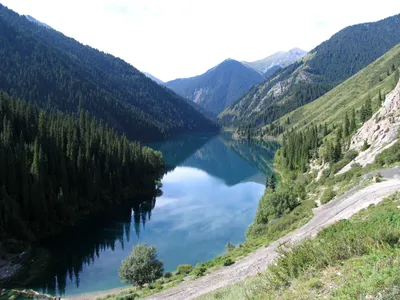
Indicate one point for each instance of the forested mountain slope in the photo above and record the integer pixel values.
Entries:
(322, 130)
(219, 87)
(370, 84)
(55, 168)
(326, 66)
(44, 67)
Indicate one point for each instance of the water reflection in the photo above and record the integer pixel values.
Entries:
(210, 196)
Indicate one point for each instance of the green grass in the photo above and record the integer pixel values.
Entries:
(352, 93)
(354, 259)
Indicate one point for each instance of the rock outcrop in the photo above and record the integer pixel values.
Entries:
(380, 132)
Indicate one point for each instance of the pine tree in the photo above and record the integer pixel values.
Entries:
(368, 109)
(325, 133)
(272, 184)
(353, 125)
(346, 125)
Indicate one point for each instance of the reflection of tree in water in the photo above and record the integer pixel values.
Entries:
(80, 247)
(141, 214)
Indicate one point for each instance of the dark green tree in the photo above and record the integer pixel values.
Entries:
(272, 183)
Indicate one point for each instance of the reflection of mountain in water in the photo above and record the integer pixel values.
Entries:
(259, 154)
(229, 160)
(175, 151)
(68, 258)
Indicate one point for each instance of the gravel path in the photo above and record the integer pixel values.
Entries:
(341, 208)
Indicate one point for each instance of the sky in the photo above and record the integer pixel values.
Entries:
(183, 38)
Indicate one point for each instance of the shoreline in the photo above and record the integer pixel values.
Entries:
(99, 294)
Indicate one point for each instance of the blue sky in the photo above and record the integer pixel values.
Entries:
(182, 38)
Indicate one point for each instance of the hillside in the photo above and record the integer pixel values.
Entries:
(45, 67)
(326, 66)
(377, 78)
(219, 87)
(280, 59)
(56, 169)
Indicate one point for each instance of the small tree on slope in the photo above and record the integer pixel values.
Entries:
(141, 266)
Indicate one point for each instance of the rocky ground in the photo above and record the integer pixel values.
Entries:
(380, 132)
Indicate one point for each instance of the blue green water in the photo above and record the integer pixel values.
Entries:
(210, 196)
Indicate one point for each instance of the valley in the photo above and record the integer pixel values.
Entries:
(271, 178)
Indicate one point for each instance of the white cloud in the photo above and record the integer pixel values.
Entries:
(181, 38)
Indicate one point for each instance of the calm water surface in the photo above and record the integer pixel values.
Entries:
(210, 196)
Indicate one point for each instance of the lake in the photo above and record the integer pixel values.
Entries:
(210, 195)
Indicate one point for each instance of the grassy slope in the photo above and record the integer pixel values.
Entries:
(354, 259)
(350, 94)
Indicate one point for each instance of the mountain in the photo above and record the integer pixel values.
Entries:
(159, 81)
(219, 87)
(33, 20)
(46, 68)
(378, 78)
(280, 59)
(326, 66)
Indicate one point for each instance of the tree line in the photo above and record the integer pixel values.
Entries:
(55, 168)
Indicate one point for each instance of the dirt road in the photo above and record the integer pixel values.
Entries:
(341, 208)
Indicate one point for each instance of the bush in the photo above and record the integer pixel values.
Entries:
(128, 297)
(350, 155)
(168, 275)
(389, 155)
(184, 269)
(229, 246)
(199, 270)
(141, 266)
(273, 205)
(327, 195)
(228, 262)
(256, 229)
(365, 146)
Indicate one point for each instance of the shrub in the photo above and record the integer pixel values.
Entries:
(141, 266)
(229, 246)
(389, 155)
(327, 195)
(228, 262)
(350, 155)
(128, 297)
(256, 229)
(168, 275)
(199, 270)
(184, 269)
(365, 146)
(273, 205)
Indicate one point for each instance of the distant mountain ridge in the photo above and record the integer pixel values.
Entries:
(280, 59)
(159, 81)
(325, 67)
(33, 20)
(58, 73)
(219, 87)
